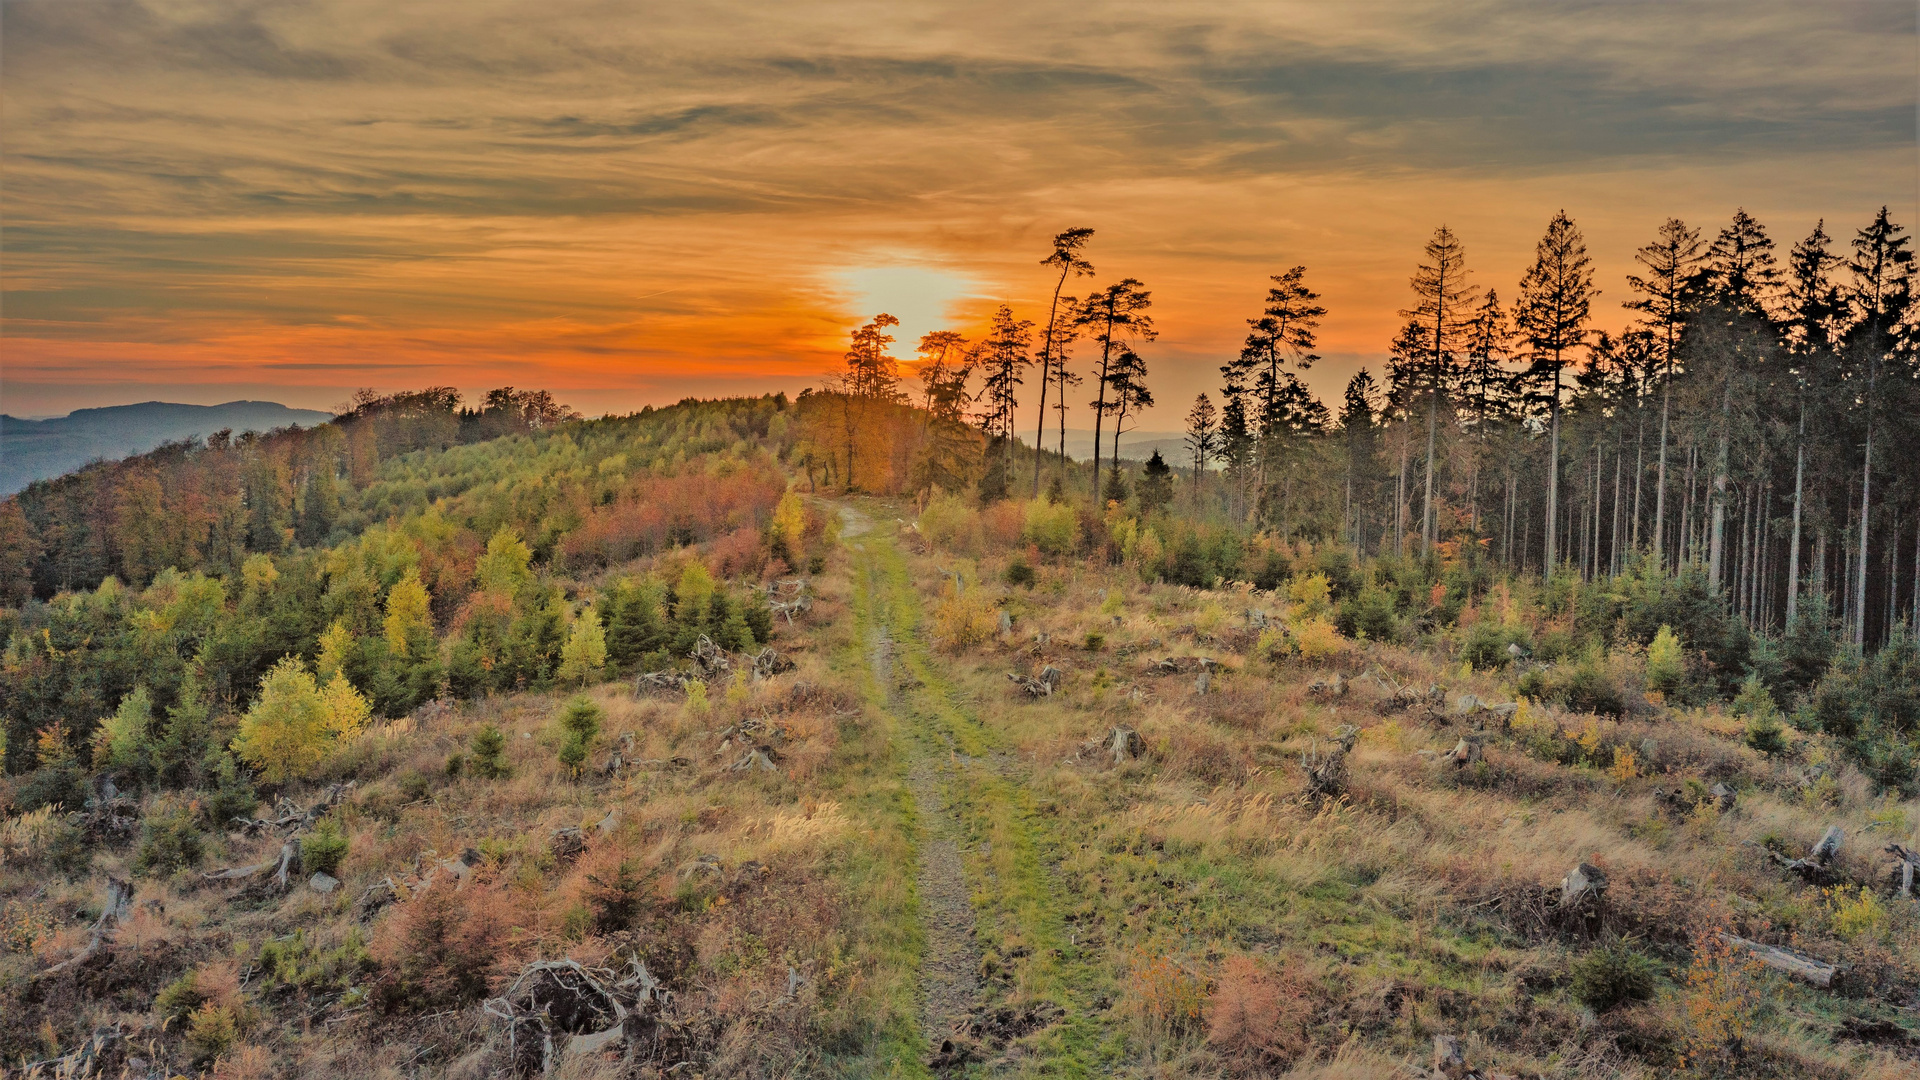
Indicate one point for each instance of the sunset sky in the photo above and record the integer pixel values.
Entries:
(630, 203)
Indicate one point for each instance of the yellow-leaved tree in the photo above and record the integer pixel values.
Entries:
(335, 641)
(409, 617)
(585, 653)
(295, 724)
(786, 533)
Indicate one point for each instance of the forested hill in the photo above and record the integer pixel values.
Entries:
(38, 449)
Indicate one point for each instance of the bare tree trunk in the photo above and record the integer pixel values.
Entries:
(1866, 508)
(1613, 561)
(1660, 486)
(1793, 549)
(1553, 469)
(1716, 545)
(1639, 471)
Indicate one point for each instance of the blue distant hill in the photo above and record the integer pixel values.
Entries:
(39, 449)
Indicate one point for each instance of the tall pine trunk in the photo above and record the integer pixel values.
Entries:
(1553, 470)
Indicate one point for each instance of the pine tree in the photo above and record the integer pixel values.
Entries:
(1883, 270)
(1813, 323)
(1156, 485)
(1004, 353)
(1441, 309)
(871, 371)
(1066, 256)
(1203, 439)
(1113, 316)
(1556, 301)
(1668, 296)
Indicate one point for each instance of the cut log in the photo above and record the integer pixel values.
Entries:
(1205, 680)
(323, 883)
(1006, 623)
(1722, 797)
(1796, 965)
(1124, 744)
(1449, 1057)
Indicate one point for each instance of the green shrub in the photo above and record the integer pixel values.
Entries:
(59, 786)
(1486, 644)
(1273, 571)
(1764, 730)
(581, 719)
(1019, 574)
(322, 850)
(233, 795)
(489, 748)
(1584, 686)
(616, 898)
(301, 963)
(177, 1000)
(1612, 975)
(67, 849)
(211, 1031)
(170, 841)
(1096, 641)
(1369, 613)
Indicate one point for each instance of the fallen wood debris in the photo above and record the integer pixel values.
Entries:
(566, 844)
(1042, 685)
(1909, 859)
(588, 1009)
(292, 817)
(1326, 772)
(768, 662)
(1797, 965)
(710, 660)
(659, 682)
(1817, 867)
(114, 906)
(1335, 687)
(788, 597)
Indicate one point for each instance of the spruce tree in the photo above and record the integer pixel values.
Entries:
(1442, 302)
(1555, 303)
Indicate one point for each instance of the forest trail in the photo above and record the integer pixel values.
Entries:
(990, 900)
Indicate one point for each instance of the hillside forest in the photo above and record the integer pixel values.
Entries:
(1550, 703)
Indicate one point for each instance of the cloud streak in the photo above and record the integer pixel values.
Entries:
(593, 196)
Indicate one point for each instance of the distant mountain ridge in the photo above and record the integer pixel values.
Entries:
(40, 449)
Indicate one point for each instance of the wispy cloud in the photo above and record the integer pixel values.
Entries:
(591, 194)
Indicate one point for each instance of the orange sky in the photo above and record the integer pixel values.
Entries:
(631, 203)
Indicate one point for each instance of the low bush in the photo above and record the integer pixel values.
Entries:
(489, 748)
(1256, 1018)
(439, 948)
(1485, 645)
(170, 841)
(322, 850)
(1019, 573)
(962, 621)
(1612, 975)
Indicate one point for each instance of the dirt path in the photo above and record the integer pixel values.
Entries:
(987, 870)
(950, 966)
